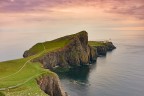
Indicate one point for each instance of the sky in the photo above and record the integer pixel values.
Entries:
(26, 22)
(64, 15)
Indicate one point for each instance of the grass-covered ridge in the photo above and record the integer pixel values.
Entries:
(18, 77)
(50, 45)
(97, 43)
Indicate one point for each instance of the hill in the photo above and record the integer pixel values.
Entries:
(32, 75)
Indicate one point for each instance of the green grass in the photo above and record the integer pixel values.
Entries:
(12, 66)
(50, 45)
(96, 43)
(26, 77)
(29, 89)
(22, 73)
(36, 48)
(33, 89)
(28, 71)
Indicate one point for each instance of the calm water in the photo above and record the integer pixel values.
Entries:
(120, 73)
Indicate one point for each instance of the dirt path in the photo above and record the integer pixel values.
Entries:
(19, 71)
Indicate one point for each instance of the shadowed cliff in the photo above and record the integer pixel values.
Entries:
(63, 54)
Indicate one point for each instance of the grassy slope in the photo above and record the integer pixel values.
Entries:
(96, 43)
(50, 45)
(25, 77)
(29, 72)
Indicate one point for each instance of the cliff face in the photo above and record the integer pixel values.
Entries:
(107, 46)
(51, 85)
(76, 53)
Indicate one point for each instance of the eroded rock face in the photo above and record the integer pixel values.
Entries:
(76, 53)
(110, 46)
(51, 85)
(102, 50)
(26, 54)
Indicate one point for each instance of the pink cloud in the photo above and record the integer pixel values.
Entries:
(134, 8)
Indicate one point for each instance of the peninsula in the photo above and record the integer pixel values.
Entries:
(34, 74)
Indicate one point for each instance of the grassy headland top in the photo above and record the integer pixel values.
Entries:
(18, 77)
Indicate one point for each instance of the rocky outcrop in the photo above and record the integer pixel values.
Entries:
(26, 54)
(76, 53)
(101, 50)
(107, 46)
(50, 84)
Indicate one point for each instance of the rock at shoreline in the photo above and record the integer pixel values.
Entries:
(51, 85)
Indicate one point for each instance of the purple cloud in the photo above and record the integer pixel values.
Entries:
(19, 5)
(29, 5)
(133, 8)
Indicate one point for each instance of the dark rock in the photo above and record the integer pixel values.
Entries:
(76, 53)
(26, 54)
(51, 85)
(110, 46)
(102, 50)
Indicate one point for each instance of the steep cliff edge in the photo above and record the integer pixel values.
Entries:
(22, 76)
(76, 52)
(65, 52)
(51, 85)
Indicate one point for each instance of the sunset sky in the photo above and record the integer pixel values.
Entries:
(40, 15)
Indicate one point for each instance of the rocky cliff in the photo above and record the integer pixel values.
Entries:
(102, 47)
(76, 52)
(50, 84)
